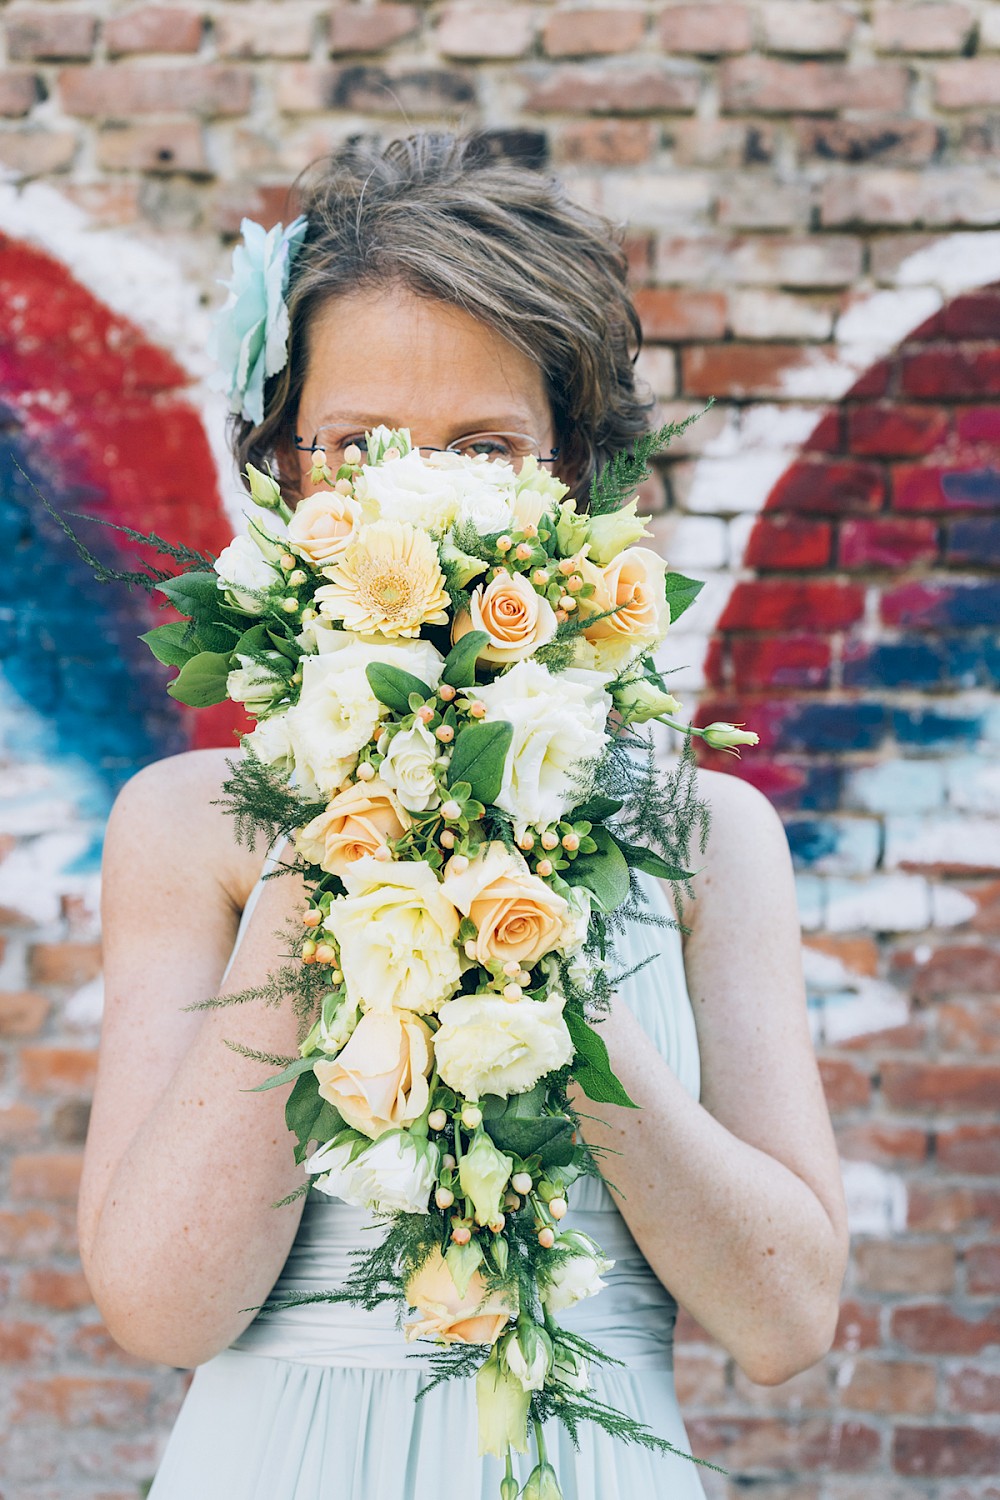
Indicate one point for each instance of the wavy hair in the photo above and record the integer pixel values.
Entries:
(443, 216)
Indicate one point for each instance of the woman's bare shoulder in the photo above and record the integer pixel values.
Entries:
(176, 801)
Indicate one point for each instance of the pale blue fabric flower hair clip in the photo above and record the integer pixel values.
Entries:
(249, 335)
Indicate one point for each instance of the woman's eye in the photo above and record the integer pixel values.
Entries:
(492, 447)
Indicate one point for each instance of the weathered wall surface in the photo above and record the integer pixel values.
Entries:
(813, 212)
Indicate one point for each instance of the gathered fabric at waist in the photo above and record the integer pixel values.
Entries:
(632, 1318)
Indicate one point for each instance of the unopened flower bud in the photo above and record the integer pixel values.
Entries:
(571, 842)
(444, 1197)
(526, 842)
(297, 577)
(512, 992)
(446, 692)
(382, 852)
(504, 543)
(461, 1234)
(308, 615)
(437, 1120)
(325, 954)
(544, 868)
(547, 1237)
(425, 713)
(445, 733)
(312, 917)
(722, 735)
(287, 561)
(477, 709)
(470, 948)
(290, 605)
(549, 839)
(458, 864)
(472, 1116)
(521, 1182)
(539, 578)
(446, 838)
(451, 810)
(352, 454)
(567, 566)
(365, 771)
(522, 552)
(558, 1207)
(448, 1160)
(308, 948)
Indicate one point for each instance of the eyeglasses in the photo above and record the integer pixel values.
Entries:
(501, 447)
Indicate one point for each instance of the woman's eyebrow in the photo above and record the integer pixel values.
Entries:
(505, 422)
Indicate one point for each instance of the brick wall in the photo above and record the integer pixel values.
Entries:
(814, 230)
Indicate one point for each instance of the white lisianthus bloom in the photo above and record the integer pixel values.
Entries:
(254, 685)
(527, 1352)
(488, 1045)
(337, 712)
(395, 1173)
(269, 742)
(569, 1368)
(579, 904)
(337, 1024)
(409, 489)
(559, 724)
(571, 1277)
(239, 567)
(408, 766)
(396, 930)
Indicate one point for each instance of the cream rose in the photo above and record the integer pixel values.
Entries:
(379, 1079)
(574, 1274)
(559, 724)
(396, 930)
(517, 915)
(337, 712)
(516, 618)
(409, 758)
(395, 1173)
(488, 1045)
(322, 525)
(477, 1318)
(632, 584)
(239, 567)
(359, 820)
(435, 491)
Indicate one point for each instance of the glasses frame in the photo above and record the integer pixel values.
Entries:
(304, 447)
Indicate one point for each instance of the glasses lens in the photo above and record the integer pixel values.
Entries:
(500, 447)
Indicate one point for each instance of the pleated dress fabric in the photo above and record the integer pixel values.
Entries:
(318, 1402)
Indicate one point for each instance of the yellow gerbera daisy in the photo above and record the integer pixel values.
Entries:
(388, 582)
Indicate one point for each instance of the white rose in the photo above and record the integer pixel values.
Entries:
(394, 1173)
(396, 930)
(337, 712)
(254, 684)
(570, 1278)
(270, 743)
(409, 489)
(488, 1045)
(487, 499)
(559, 724)
(240, 566)
(408, 767)
(334, 1162)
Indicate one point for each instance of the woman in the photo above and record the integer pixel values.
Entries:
(459, 297)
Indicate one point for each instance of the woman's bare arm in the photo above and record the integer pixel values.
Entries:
(737, 1201)
(177, 1232)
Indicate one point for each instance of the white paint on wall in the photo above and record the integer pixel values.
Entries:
(876, 1199)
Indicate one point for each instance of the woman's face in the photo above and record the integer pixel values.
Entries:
(390, 357)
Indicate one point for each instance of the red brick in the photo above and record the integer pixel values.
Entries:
(891, 140)
(837, 486)
(784, 661)
(935, 1328)
(474, 33)
(967, 83)
(783, 604)
(845, 1085)
(720, 143)
(46, 1176)
(50, 35)
(37, 152)
(175, 147)
(895, 429)
(29, 1235)
(982, 1269)
(857, 1326)
(739, 370)
(371, 28)
(763, 1442)
(79, 1402)
(942, 488)
(968, 1026)
(233, 202)
(789, 542)
(827, 436)
(707, 30)
(969, 967)
(803, 262)
(153, 28)
(816, 28)
(264, 30)
(889, 1385)
(638, 247)
(18, 1122)
(942, 1452)
(951, 373)
(979, 424)
(19, 90)
(970, 1148)
(605, 143)
(974, 316)
(58, 1070)
(888, 1145)
(59, 1290)
(637, 89)
(23, 1343)
(64, 963)
(121, 90)
(22, 1013)
(586, 33)
(670, 313)
(934, 27)
(937, 1210)
(972, 1389)
(302, 88)
(765, 85)
(940, 1086)
(900, 1266)
(884, 542)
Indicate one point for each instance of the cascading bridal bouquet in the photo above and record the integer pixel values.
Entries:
(449, 667)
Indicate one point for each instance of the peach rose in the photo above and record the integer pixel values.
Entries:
(322, 525)
(477, 1318)
(516, 618)
(359, 820)
(633, 580)
(518, 916)
(379, 1080)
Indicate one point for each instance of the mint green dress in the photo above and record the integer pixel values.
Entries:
(317, 1402)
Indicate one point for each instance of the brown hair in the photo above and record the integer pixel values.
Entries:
(444, 216)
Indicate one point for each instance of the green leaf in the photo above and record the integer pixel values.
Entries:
(460, 663)
(479, 756)
(285, 646)
(300, 1065)
(681, 592)
(653, 863)
(194, 593)
(596, 810)
(392, 686)
(202, 680)
(308, 1116)
(173, 644)
(591, 1066)
(549, 1136)
(605, 874)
